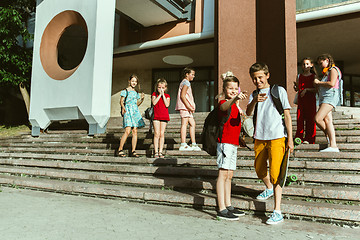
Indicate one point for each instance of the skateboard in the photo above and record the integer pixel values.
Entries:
(283, 178)
(284, 168)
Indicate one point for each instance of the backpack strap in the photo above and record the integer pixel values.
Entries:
(254, 94)
(223, 121)
(275, 95)
(127, 93)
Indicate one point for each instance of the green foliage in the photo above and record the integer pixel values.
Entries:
(15, 58)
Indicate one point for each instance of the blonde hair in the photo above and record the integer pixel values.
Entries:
(160, 80)
(227, 74)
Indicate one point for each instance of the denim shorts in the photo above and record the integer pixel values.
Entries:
(226, 156)
(329, 95)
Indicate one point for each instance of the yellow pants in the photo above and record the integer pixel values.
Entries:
(273, 150)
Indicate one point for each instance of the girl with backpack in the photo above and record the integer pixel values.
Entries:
(130, 99)
(226, 147)
(328, 99)
(161, 101)
(306, 110)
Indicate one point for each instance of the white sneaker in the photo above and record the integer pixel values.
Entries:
(330, 149)
(195, 147)
(185, 148)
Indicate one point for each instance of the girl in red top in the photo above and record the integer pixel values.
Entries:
(161, 102)
(306, 102)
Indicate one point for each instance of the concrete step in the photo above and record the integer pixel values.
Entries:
(148, 139)
(347, 213)
(245, 161)
(239, 187)
(100, 152)
(345, 173)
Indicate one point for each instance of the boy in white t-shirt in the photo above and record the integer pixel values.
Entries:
(269, 135)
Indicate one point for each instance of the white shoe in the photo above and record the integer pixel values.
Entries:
(305, 142)
(195, 147)
(185, 148)
(330, 149)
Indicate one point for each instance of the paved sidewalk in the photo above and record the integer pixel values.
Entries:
(26, 214)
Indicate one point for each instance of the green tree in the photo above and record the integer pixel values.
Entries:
(15, 58)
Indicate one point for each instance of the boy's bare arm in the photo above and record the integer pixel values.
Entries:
(261, 97)
(250, 107)
(288, 124)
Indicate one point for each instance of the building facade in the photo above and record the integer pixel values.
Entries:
(158, 38)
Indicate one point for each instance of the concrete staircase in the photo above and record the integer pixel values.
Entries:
(71, 162)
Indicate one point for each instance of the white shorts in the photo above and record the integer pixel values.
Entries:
(226, 156)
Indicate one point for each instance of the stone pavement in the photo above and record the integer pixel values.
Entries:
(26, 214)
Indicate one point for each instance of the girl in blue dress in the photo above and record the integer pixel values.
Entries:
(130, 100)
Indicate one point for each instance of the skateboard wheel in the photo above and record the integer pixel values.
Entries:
(293, 178)
(297, 141)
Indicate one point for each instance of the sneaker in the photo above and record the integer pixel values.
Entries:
(265, 194)
(275, 218)
(305, 142)
(195, 147)
(185, 148)
(330, 149)
(227, 215)
(235, 211)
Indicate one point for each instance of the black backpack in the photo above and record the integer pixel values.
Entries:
(212, 130)
(275, 96)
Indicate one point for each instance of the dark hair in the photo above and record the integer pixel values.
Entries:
(187, 70)
(325, 56)
(160, 80)
(230, 79)
(312, 69)
(259, 66)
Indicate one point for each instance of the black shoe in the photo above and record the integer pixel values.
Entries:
(227, 215)
(235, 211)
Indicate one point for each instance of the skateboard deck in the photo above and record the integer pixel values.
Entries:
(284, 168)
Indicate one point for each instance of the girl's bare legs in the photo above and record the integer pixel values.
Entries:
(228, 188)
(156, 125)
(330, 130)
(124, 137)
(223, 191)
(162, 136)
(134, 139)
(192, 130)
(184, 123)
(323, 119)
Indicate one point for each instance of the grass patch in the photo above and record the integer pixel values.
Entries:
(9, 131)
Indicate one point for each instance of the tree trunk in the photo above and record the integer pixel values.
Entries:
(25, 96)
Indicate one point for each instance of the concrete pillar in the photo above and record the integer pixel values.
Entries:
(235, 41)
(276, 41)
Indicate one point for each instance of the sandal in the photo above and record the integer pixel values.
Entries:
(121, 153)
(161, 155)
(134, 154)
(156, 155)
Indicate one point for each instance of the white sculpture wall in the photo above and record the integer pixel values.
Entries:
(83, 90)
